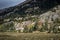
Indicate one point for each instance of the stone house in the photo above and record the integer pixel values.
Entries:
(20, 26)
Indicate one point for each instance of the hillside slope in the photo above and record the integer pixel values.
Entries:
(31, 16)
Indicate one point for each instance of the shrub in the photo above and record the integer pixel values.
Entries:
(7, 27)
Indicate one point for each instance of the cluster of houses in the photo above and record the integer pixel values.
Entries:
(47, 18)
(20, 26)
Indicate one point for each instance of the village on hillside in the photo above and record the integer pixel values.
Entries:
(48, 22)
(31, 16)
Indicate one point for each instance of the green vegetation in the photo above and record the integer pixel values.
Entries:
(7, 27)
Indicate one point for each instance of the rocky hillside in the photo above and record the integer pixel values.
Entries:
(28, 7)
(31, 15)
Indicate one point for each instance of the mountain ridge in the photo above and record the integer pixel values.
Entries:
(20, 7)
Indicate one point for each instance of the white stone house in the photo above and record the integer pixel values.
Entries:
(18, 27)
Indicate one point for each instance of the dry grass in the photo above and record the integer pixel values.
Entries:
(29, 36)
